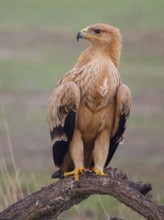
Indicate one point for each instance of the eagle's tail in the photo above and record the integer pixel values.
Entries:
(57, 174)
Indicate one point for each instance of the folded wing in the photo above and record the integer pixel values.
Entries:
(123, 105)
(62, 107)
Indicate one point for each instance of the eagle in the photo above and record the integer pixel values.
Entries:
(89, 107)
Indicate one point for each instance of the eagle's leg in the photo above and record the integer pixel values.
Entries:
(77, 155)
(100, 152)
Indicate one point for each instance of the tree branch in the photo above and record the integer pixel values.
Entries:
(50, 201)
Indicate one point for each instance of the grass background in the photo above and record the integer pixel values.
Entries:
(38, 45)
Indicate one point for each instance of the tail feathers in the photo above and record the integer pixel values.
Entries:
(57, 174)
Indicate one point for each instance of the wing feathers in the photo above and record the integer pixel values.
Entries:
(60, 146)
(62, 108)
(123, 105)
(64, 99)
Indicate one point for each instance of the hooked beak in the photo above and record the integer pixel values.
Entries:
(79, 35)
(82, 34)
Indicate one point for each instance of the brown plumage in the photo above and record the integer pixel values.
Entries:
(89, 108)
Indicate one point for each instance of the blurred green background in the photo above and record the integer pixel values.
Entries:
(38, 45)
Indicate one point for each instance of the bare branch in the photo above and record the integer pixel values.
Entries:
(50, 201)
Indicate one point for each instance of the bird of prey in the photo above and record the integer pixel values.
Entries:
(89, 108)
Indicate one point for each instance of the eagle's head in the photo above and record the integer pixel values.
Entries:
(105, 37)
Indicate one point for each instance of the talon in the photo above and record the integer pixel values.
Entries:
(75, 172)
(99, 172)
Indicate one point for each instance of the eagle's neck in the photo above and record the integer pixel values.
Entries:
(111, 52)
(114, 52)
(112, 49)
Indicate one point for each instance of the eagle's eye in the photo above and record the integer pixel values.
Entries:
(97, 31)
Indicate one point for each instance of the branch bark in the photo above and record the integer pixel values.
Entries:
(50, 201)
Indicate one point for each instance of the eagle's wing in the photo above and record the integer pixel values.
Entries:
(123, 105)
(62, 107)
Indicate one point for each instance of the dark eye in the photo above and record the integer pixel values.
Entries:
(97, 31)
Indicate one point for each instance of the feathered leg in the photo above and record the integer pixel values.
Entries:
(100, 152)
(77, 154)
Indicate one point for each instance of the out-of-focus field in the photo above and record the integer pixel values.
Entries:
(38, 45)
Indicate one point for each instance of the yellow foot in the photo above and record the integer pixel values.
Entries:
(75, 172)
(99, 172)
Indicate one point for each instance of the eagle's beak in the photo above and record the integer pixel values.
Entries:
(82, 34)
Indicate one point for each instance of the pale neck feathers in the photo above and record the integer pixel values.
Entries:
(110, 52)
